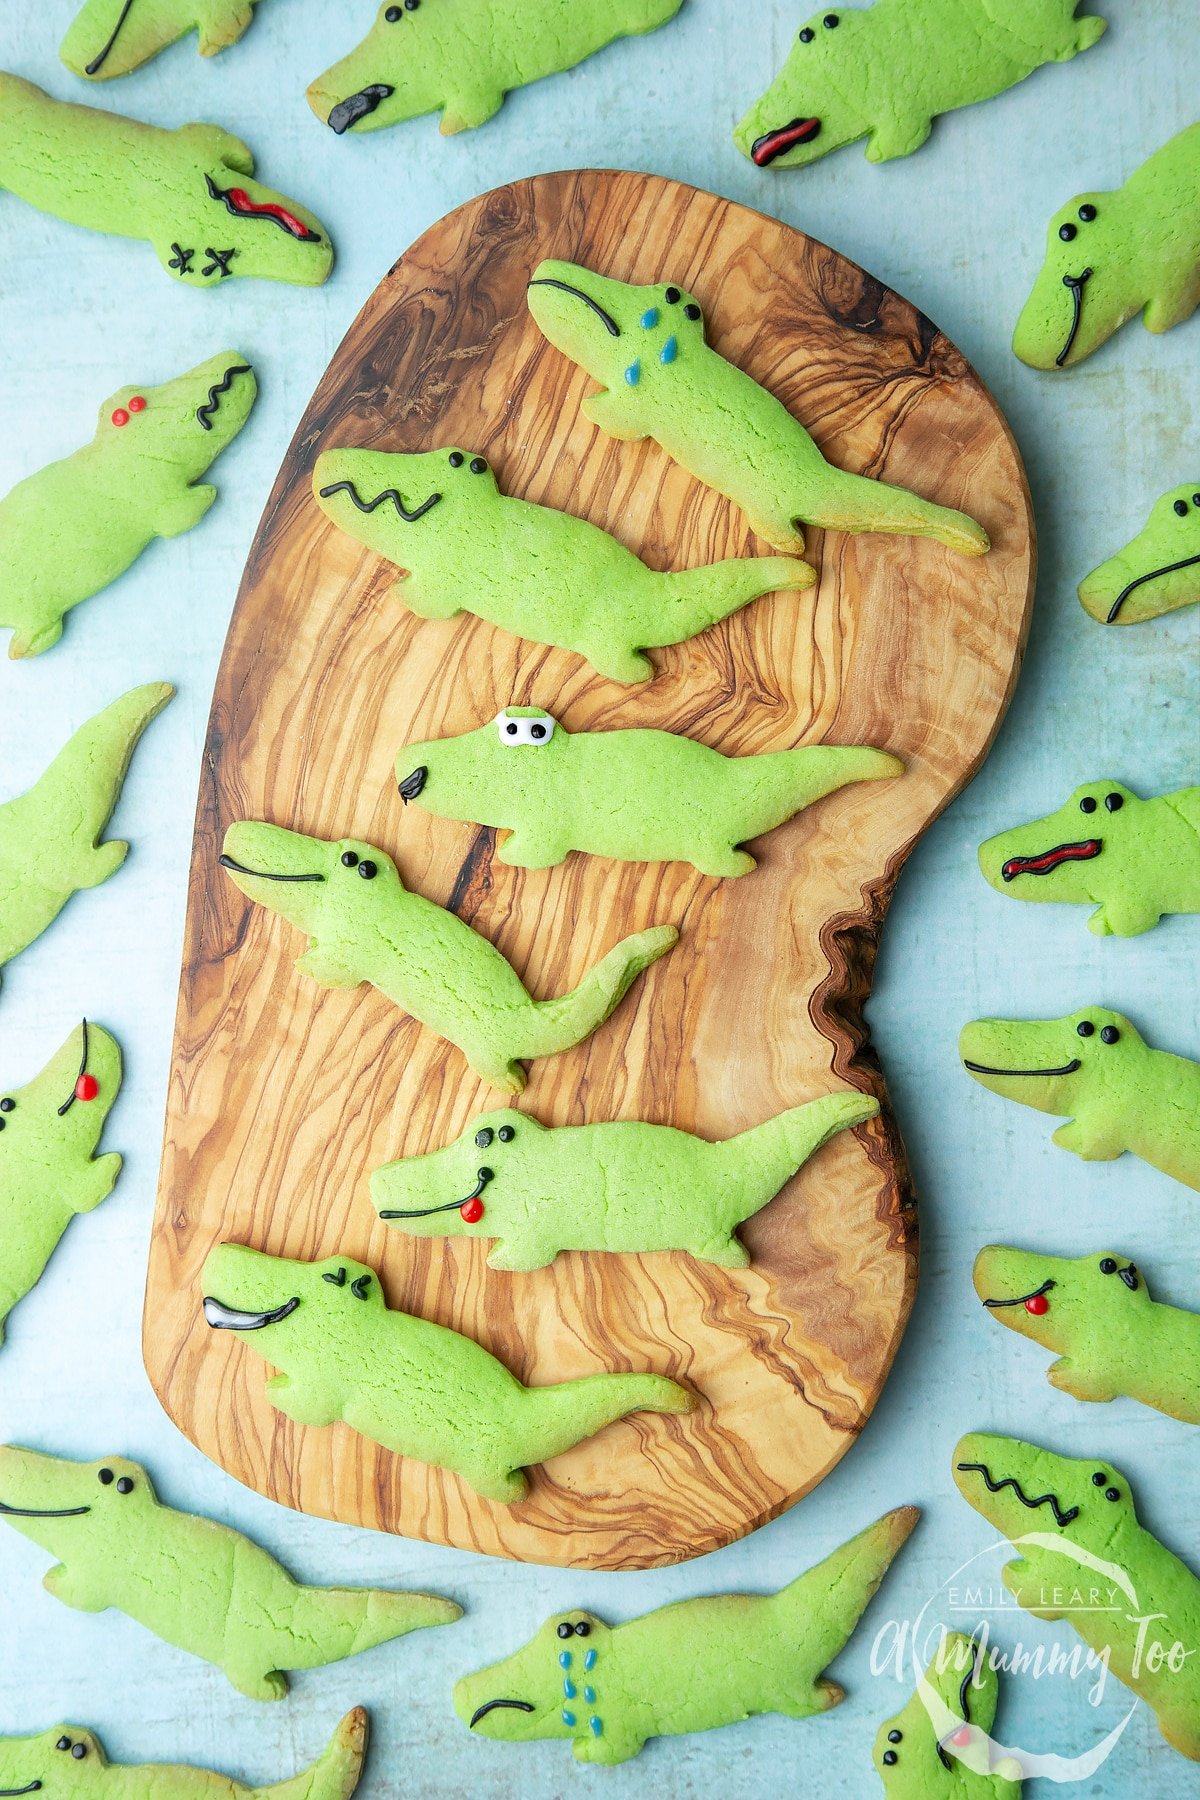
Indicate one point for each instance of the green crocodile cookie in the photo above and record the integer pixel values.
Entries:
(624, 1186)
(194, 1583)
(1074, 1522)
(49, 1170)
(1111, 255)
(49, 836)
(1096, 1311)
(661, 380)
(937, 1747)
(639, 796)
(886, 73)
(112, 37)
(68, 1763)
(77, 524)
(188, 192)
(1157, 572)
(365, 925)
(1137, 858)
(464, 546)
(417, 1388)
(464, 58)
(693, 1666)
(1094, 1069)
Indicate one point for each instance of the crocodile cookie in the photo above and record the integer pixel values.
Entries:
(189, 192)
(73, 527)
(637, 796)
(1074, 1523)
(693, 1666)
(49, 1170)
(194, 1583)
(1096, 1312)
(885, 73)
(624, 1186)
(364, 925)
(422, 56)
(662, 380)
(463, 546)
(1094, 1069)
(111, 37)
(1157, 572)
(50, 836)
(68, 1763)
(1132, 859)
(1111, 255)
(937, 1747)
(417, 1388)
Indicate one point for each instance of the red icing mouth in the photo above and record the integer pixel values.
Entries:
(1052, 859)
(765, 149)
(242, 203)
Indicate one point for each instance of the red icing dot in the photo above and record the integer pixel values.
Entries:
(137, 404)
(1037, 1304)
(87, 1087)
(120, 416)
(962, 1736)
(472, 1210)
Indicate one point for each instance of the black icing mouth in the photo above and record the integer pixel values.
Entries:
(1049, 860)
(413, 785)
(32, 1787)
(610, 324)
(1061, 1518)
(488, 1706)
(1020, 1299)
(765, 149)
(425, 1212)
(1167, 569)
(93, 68)
(354, 107)
(229, 1318)
(985, 1069)
(71, 1098)
(1076, 284)
(42, 1512)
(204, 412)
(227, 862)
(392, 494)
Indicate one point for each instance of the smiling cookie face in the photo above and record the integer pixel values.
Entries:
(1157, 572)
(60, 1764)
(810, 108)
(462, 1190)
(1053, 1064)
(73, 1509)
(1061, 1302)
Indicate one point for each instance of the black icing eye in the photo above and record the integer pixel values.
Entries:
(349, 859)
(1067, 232)
(125, 1485)
(478, 465)
(456, 459)
(890, 1757)
(583, 1629)
(78, 1751)
(393, 13)
(807, 35)
(1087, 804)
(564, 1630)
(691, 310)
(1085, 1028)
(367, 869)
(506, 1134)
(1196, 499)
(672, 296)
(1087, 212)
(537, 731)
(1181, 507)
(1110, 1035)
(1113, 802)
(338, 1280)
(512, 728)
(7, 1106)
(483, 1138)
(1108, 1266)
(1099, 1478)
(64, 1743)
(1112, 1493)
(895, 1737)
(831, 21)
(105, 1477)
(359, 1286)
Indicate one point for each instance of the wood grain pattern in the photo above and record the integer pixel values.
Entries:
(284, 1097)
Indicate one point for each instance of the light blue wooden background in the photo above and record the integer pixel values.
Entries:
(957, 228)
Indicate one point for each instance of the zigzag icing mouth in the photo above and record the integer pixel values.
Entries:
(772, 144)
(1083, 851)
(1061, 1518)
(392, 494)
(230, 1318)
(238, 202)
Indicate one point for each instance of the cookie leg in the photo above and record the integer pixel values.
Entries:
(102, 862)
(1091, 1142)
(727, 1253)
(467, 110)
(723, 860)
(75, 1587)
(182, 511)
(625, 666)
(221, 23)
(1173, 305)
(527, 850)
(1069, 1378)
(33, 641)
(898, 137)
(303, 1407)
(257, 1684)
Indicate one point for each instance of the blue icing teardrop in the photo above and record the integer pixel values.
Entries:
(633, 373)
(597, 1725)
(589, 1694)
(650, 319)
(568, 1718)
(669, 351)
(564, 1659)
(589, 1659)
(568, 1689)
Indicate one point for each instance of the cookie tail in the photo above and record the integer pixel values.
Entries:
(694, 599)
(781, 783)
(855, 503)
(85, 778)
(335, 1774)
(545, 1027)
(771, 1153)
(553, 1419)
(825, 1604)
(327, 1624)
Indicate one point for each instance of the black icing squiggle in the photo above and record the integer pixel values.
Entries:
(1061, 1518)
(205, 411)
(368, 506)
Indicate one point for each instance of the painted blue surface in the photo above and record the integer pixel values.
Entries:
(958, 228)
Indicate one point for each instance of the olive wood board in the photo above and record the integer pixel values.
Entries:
(284, 1096)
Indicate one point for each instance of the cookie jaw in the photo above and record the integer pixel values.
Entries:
(806, 112)
(400, 70)
(537, 1692)
(1157, 572)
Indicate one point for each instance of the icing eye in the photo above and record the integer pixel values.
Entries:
(890, 1758)
(478, 465)
(349, 859)
(104, 1477)
(511, 728)
(583, 1629)
(1113, 802)
(807, 35)
(691, 310)
(895, 1737)
(1087, 804)
(1067, 232)
(1110, 1035)
(120, 417)
(393, 13)
(1087, 212)
(1108, 1266)
(485, 1174)
(78, 1751)
(831, 21)
(125, 1485)
(1181, 506)
(367, 869)
(359, 1286)
(1112, 1493)
(506, 1134)
(1085, 1028)
(483, 1138)
(456, 459)
(64, 1743)
(1196, 499)
(672, 296)
(537, 730)
(137, 404)
(337, 1280)
(1099, 1478)
(7, 1106)
(564, 1630)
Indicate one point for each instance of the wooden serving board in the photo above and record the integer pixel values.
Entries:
(283, 1097)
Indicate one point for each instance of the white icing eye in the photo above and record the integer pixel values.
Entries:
(537, 730)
